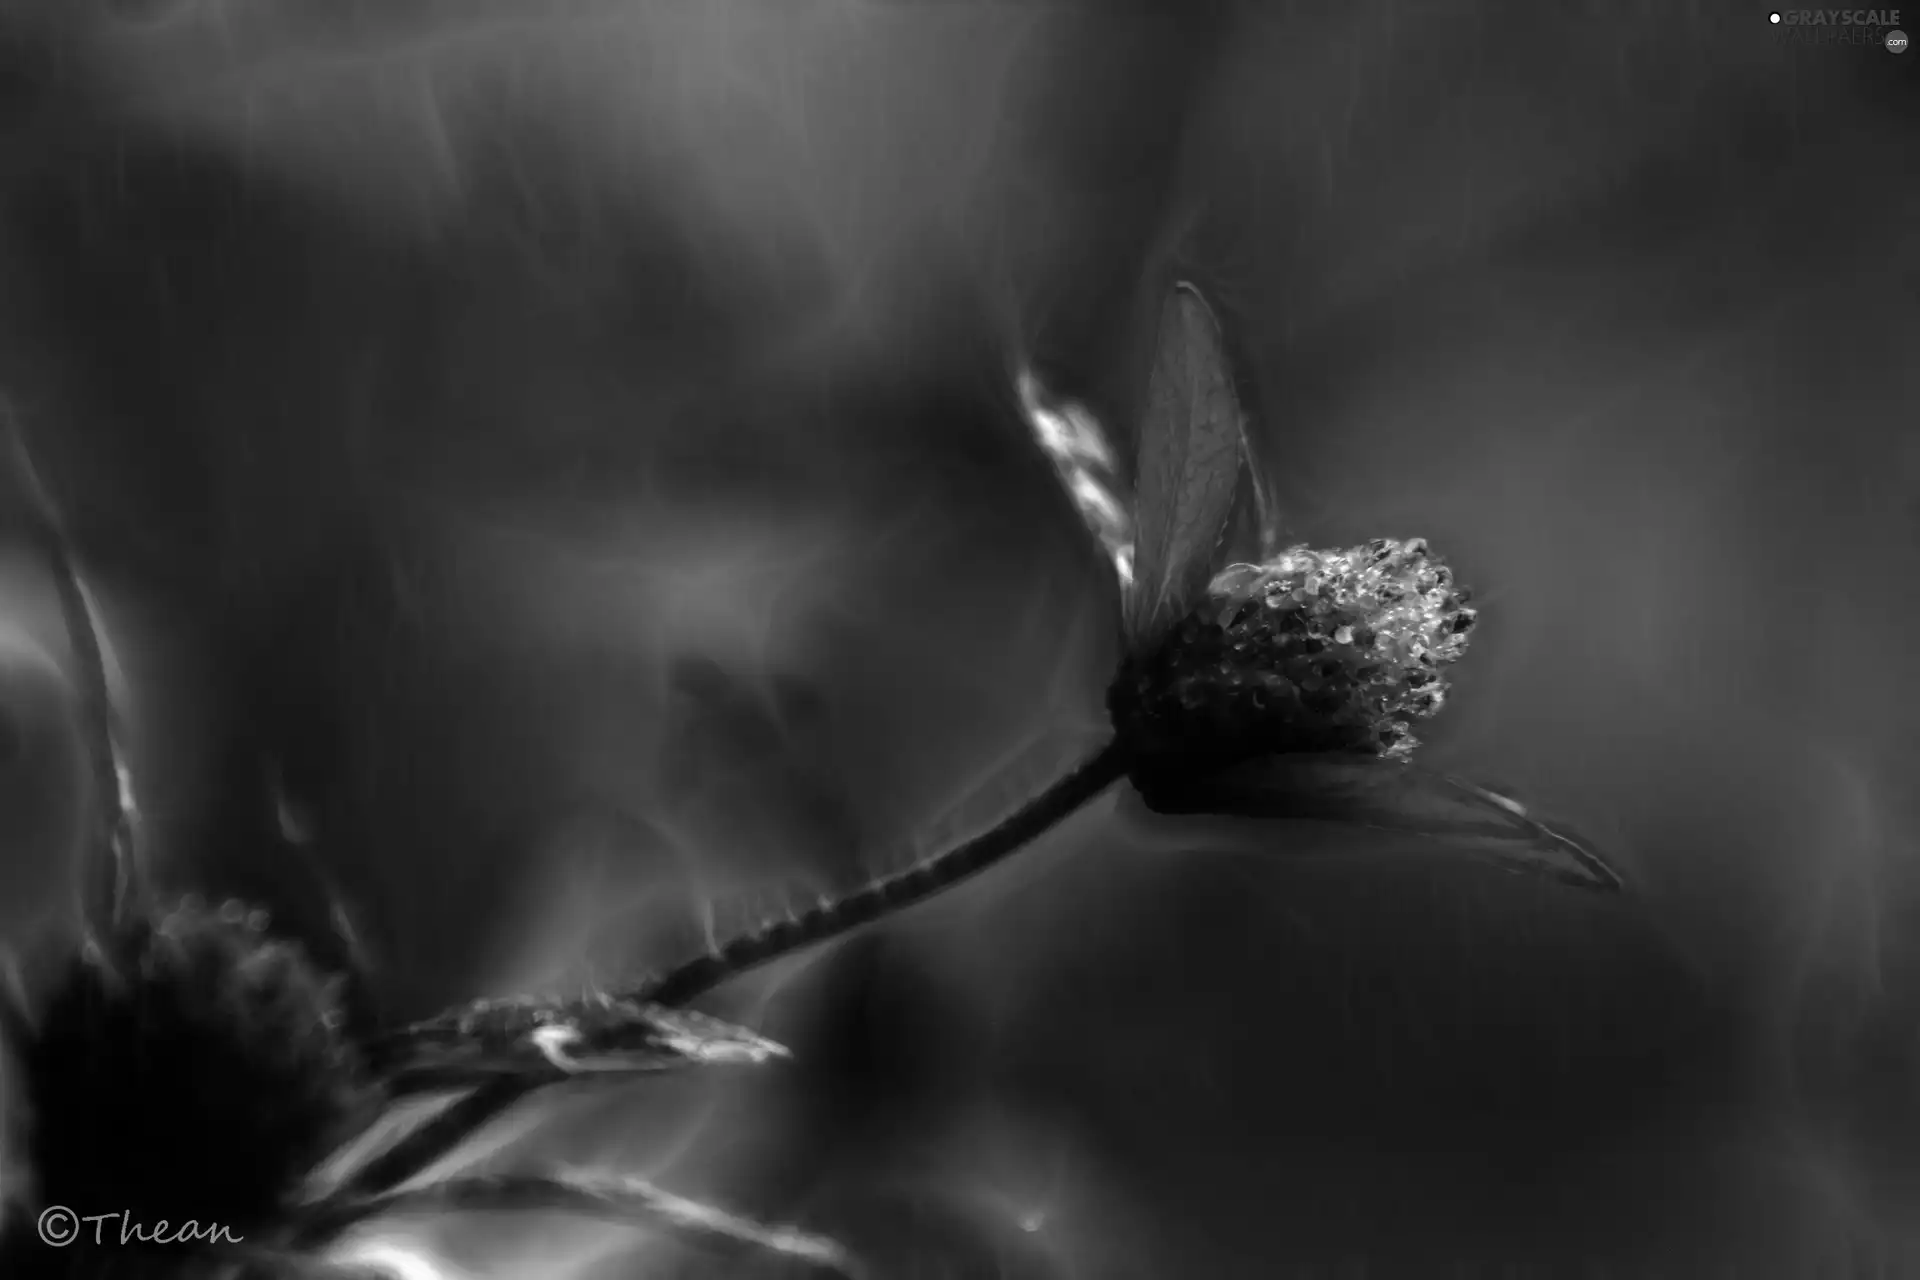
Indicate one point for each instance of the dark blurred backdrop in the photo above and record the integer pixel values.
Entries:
(560, 462)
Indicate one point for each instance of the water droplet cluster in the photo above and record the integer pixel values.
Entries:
(1311, 651)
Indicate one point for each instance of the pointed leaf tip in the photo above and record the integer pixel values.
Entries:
(1363, 790)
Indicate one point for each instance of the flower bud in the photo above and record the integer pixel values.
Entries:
(1311, 651)
(194, 1067)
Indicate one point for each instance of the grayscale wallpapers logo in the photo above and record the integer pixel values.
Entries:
(1843, 26)
(1836, 17)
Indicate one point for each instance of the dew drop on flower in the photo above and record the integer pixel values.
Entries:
(1338, 657)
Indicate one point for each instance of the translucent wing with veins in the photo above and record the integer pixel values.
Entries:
(1192, 443)
(1286, 685)
(1199, 483)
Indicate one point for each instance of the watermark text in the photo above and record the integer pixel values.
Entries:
(1836, 17)
(60, 1226)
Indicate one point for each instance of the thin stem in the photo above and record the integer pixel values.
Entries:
(894, 892)
(436, 1138)
(114, 821)
(415, 1081)
(616, 1198)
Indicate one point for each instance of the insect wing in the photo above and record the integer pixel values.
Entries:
(1191, 450)
(1253, 532)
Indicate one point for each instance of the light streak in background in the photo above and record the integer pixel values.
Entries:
(45, 816)
(1071, 438)
(393, 1257)
(44, 788)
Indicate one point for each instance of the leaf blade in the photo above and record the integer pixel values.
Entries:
(549, 1040)
(1388, 795)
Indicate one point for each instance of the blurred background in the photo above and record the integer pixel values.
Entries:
(553, 471)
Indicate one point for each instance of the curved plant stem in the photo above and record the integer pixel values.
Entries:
(894, 892)
(113, 820)
(610, 1197)
(435, 1139)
